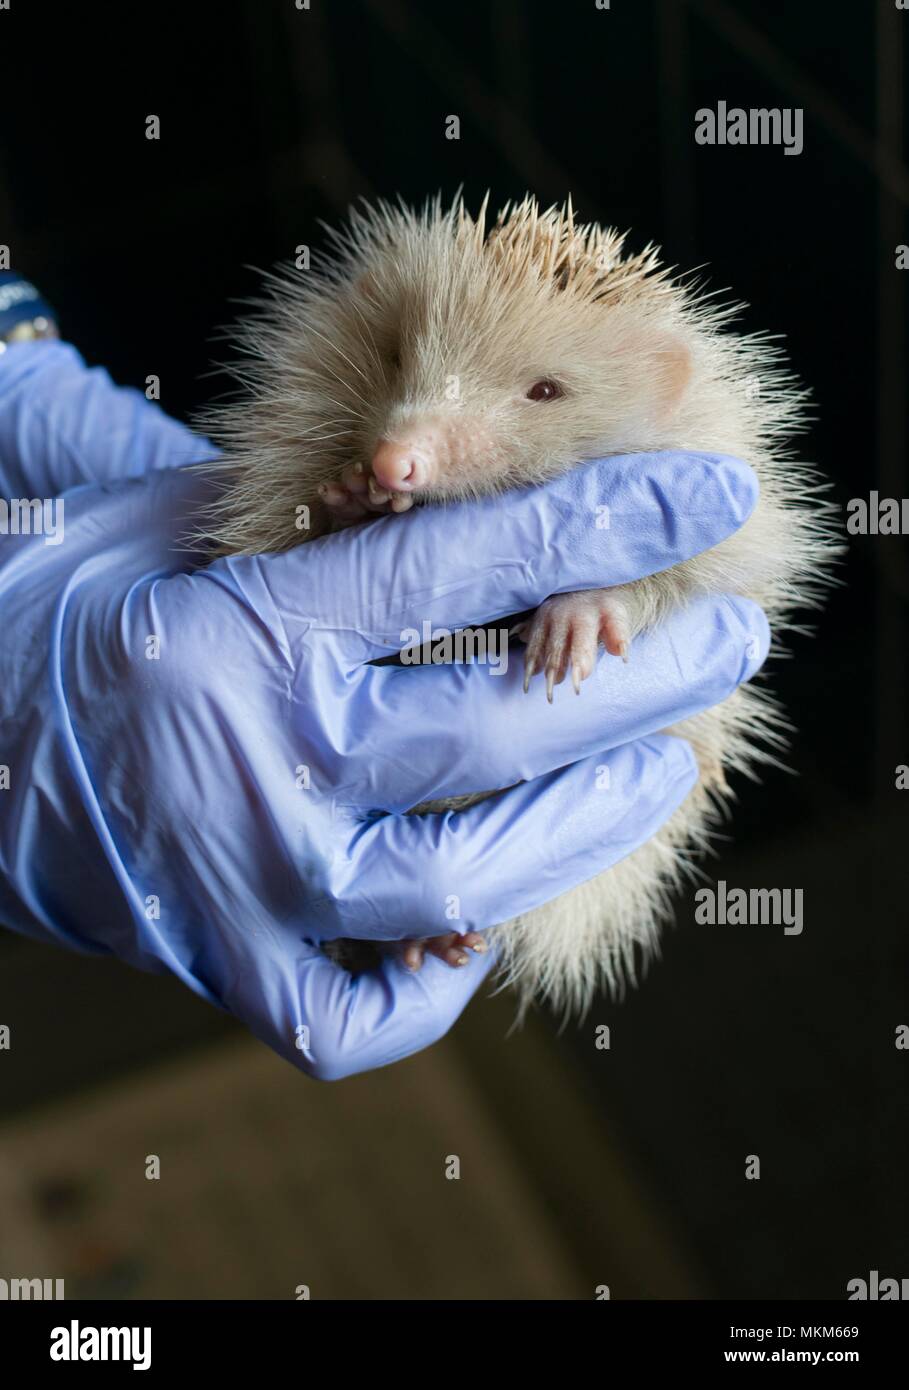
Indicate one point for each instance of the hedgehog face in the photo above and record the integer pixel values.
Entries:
(450, 361)
(492, 363)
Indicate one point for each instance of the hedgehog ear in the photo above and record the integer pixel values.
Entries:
(672, 368)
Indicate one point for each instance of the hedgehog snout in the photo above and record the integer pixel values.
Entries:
(402, 467)
(438, 455)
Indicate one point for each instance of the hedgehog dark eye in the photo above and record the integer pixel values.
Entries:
(544, 391)
(395, 360)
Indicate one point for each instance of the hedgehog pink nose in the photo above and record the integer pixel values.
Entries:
(399, 467)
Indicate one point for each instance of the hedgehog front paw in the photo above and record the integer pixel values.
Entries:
(566, 632)
(356, 496)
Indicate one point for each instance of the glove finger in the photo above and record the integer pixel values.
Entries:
(333, 1025)
(465, 871)
(605, 523)
(441, 731)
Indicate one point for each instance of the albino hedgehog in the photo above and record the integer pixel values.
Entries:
(563, 350)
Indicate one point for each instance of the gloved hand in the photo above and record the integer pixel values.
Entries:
(207, 776)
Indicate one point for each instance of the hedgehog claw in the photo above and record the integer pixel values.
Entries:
(567, 630)
(378, 495)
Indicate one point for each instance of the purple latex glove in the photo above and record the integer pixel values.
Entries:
(207, 776)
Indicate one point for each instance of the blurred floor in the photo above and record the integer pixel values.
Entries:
(269, 1181)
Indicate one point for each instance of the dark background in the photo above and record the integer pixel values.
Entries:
(742, 1041)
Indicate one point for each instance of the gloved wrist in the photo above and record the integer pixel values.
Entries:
(25, 315)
